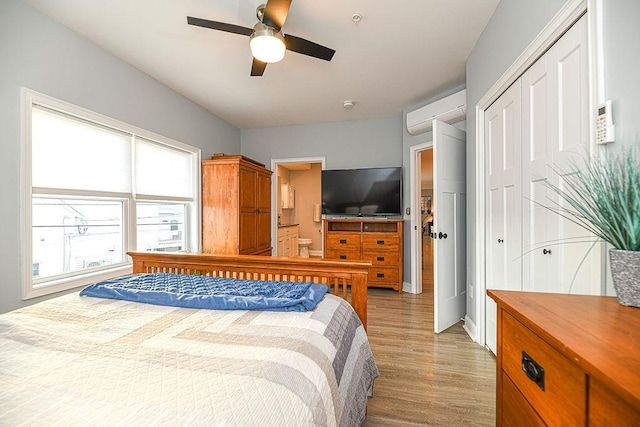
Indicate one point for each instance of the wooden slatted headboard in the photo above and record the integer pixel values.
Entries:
(335, 274)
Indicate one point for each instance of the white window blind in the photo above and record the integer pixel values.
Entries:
(98, 188)
(70, 153)
(162, 170)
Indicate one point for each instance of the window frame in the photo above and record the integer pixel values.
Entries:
(193, 225)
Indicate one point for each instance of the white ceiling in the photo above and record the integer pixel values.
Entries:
(401, 53)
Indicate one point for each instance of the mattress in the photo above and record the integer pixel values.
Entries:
(90, 361)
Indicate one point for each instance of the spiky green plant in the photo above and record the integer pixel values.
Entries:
(604, 198)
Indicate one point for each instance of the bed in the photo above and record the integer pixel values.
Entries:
(75, 360)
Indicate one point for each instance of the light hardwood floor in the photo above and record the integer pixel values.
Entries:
(425, 378)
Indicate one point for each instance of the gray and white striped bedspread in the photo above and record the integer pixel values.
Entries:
(91, 361)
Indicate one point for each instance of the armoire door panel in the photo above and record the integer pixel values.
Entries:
(248, 189)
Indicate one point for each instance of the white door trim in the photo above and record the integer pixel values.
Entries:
(415, 287)
(274, 191)
(561, 22)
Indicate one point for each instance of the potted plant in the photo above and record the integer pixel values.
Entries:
(603, 197)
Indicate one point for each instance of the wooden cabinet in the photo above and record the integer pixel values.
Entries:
(566, 360)
(288, 241)
(375, 240)
(236, 206)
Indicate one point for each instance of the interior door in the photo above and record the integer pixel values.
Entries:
(503, 204)
(449, 202)
(558, 256)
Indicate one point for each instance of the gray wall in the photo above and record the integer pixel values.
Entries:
(511, 29)
(622, 62)
(349, 144)
(40, 54)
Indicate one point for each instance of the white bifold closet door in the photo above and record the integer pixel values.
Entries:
(503, 201)
(532, 132)
(558, 256)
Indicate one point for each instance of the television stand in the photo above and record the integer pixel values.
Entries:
(370, 239)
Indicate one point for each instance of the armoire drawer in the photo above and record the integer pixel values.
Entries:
(548, 381)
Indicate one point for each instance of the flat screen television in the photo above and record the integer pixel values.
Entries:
(362, 192)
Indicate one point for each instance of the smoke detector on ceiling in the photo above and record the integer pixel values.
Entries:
(356, 17)
(347, 105)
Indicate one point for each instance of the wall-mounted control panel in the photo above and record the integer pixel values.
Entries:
(605, 129)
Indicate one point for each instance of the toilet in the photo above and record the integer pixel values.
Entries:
(303, 247)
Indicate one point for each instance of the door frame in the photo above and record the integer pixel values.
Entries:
(561, 22)
(416, 218)
(274, 192)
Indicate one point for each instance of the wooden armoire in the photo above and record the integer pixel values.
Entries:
(236, 206)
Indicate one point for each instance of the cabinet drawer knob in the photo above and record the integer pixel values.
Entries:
(546, 251)
(343, 241)
(381, 242)
(380, 275)
(380, 258)
(533, 370)
(343, 257)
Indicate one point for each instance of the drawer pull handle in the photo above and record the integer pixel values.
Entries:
(381, 242)
(533, 370)
(343, 241)
(380, 275)
(380, 258)
(343, 257)
(546, 251)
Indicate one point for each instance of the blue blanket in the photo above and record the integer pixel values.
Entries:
(181, 290)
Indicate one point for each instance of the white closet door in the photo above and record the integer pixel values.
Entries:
(502, 139)
(558, 256)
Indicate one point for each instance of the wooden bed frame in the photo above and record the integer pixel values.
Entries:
(335, 274)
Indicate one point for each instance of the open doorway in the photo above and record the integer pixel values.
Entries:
(422, 209)
(425, 162)
(296, 197)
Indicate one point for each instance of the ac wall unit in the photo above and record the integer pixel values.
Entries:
(451, 109)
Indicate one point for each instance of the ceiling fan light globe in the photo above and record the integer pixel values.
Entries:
(267, 44)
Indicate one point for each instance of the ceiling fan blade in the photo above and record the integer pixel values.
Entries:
(257, 67)
(305, 47)
(222, 26)
(275, 13)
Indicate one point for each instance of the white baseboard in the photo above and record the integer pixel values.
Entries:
(315, 253)
(471, 329)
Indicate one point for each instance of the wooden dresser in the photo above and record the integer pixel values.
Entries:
(236, 206)
(566, 360)
(375, 240)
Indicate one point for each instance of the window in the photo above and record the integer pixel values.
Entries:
(96, 188)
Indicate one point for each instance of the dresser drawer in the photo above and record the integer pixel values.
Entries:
(559, 395)
(380, 241)
(516, 411)
(608, 409)
(344, 241)
(343, 254)
(381, 258)
(383, 275)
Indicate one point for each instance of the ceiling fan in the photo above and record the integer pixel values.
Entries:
(267, 42)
